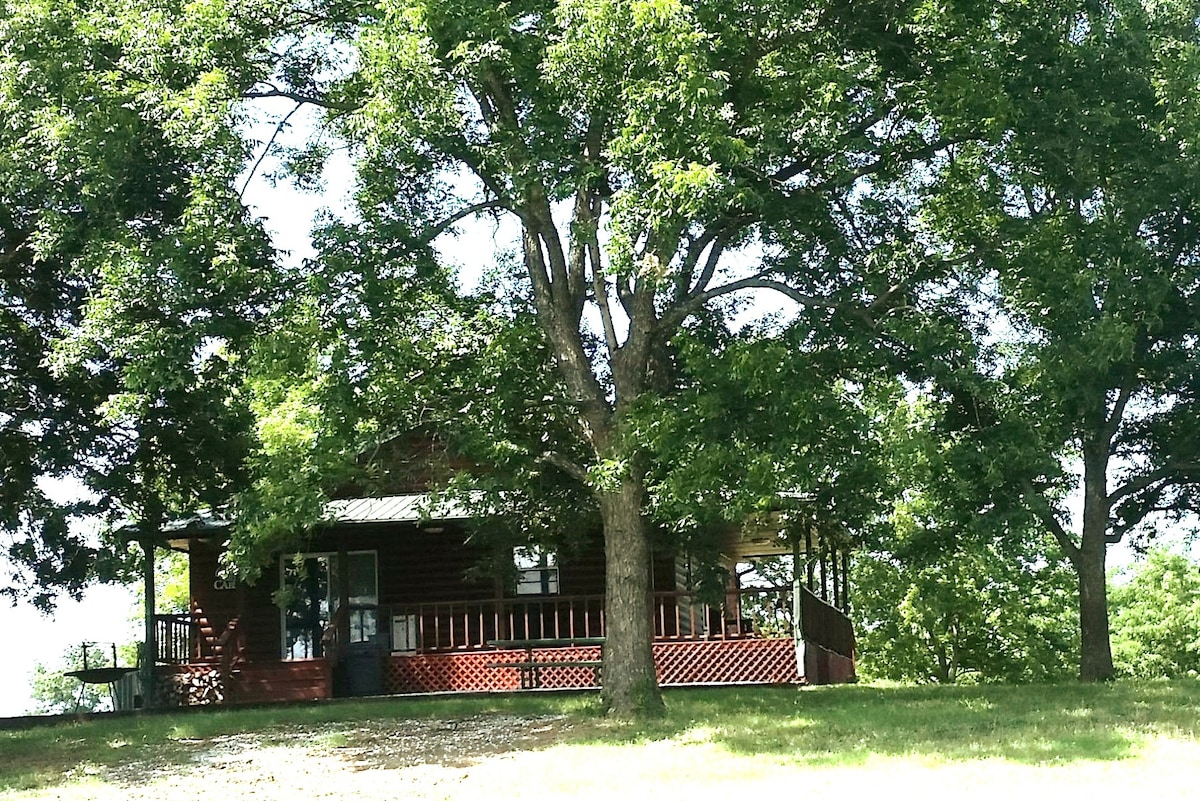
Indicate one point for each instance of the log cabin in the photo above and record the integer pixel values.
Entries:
(387, 598)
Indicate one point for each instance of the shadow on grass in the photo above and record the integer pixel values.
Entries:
(47, 754)
(844, 726)
(848, 725)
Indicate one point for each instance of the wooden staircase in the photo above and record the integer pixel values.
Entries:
(246, 682)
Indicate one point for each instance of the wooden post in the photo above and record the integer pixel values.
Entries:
(846, 582)
(837, 587)
(798, 604)
(151, 648)
(342, 615)
(824, 578)
(796, 628)
(808, 558)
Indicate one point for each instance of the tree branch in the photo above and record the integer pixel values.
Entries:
(600, 287)
(761, 282)
(299, 97)
(437, 230)
(687, 267)
(568, 466)
(1144, 482)
(884, 160)
(461, 214)
(1046, 514)
(716, 250)
(267, 148)
(786, 173)
(1118, 411)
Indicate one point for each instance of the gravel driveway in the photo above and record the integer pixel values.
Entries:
(389, 759)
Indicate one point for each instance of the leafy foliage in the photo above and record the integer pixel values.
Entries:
(971, 612)
(130, 277)
(943, 593)
(1156, 617)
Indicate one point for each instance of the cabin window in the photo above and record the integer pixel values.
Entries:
(309, 592)
(537, 570)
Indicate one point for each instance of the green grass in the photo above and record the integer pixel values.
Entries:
(756, 732)
(1025, 724)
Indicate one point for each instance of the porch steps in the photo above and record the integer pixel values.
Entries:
(210, 639)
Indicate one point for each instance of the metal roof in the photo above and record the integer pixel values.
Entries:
(393, 509)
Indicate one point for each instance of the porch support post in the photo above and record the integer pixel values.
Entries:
(798, 602)
(342, 616)
(810, 565)
(824, 574)
(151, 647)
(846, 581)
(837, 584)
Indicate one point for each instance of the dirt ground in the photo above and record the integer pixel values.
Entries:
(373, 760)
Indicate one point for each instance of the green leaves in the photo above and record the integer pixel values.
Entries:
(133, 267)
(1156, 617)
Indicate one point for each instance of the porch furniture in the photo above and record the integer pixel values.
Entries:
(531, 668)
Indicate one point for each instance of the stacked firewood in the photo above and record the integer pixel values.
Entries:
(193, 688)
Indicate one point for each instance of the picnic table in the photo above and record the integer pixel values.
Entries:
(531, 668)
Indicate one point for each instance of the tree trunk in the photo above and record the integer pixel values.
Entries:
(630, 683)
(1095, 656)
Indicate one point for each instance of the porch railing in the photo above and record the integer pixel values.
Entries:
(468, 625)
(826, 625)
(174, 637)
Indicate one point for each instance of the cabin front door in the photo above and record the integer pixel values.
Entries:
(314, 587)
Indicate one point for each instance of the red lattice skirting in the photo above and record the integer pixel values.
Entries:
(726, 662)
(469, 671)
(678, 664)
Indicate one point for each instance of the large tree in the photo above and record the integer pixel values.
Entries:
(130, 275)
(657, 158)
(1080, 224)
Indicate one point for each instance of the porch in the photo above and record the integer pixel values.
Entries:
(444, 647)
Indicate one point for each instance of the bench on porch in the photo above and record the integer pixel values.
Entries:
(531, 669)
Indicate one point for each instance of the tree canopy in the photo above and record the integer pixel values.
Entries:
(130, 275)
(994, 203)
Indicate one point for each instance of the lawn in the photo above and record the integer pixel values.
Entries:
(1067, 741)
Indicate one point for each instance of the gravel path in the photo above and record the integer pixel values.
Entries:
(409, 759)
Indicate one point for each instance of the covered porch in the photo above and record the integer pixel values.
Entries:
(386, 600)
(458, 647)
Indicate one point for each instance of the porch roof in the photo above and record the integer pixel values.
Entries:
(413, 508)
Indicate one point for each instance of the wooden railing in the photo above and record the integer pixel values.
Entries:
(825, 625)
(748, 613)
(469, 625)
(466, 625)
(174, 637)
